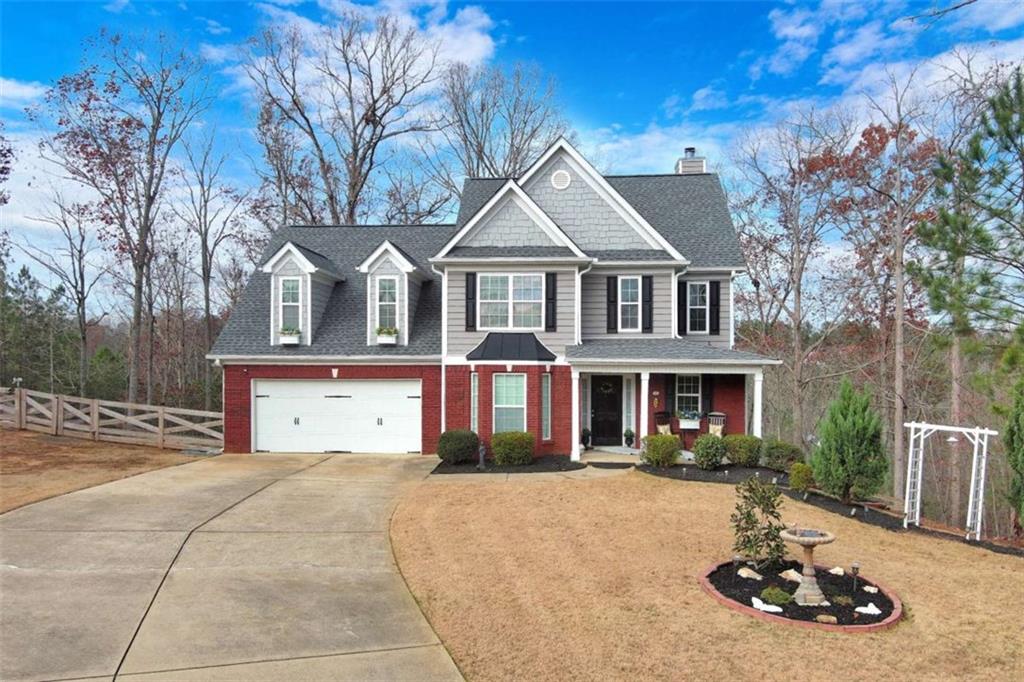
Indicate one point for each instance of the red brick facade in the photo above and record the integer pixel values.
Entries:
(458, 413)
(238, 394)
(728, 397)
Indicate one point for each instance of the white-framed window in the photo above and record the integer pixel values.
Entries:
(387, 302)
(290, 302)
(509, 402)
(474, 402)
(629, 304)
(545, 406)
(697, 307)
(509, 301)
(688, 392)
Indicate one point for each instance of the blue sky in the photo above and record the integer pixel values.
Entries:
(638, 81)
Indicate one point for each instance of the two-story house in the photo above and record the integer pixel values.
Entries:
(559, 301)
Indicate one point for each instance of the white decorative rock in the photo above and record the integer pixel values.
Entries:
(869, 610)
(826, 618)
(790, 574)
(871, 589)
(838, 570)
(767, 608)
(748, 573)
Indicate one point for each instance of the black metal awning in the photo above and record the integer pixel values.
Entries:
(511, 347)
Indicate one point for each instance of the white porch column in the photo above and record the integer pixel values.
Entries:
(645, 401)
(575, 452)
(758, 389)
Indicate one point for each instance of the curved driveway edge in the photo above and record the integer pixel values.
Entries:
(240, 566)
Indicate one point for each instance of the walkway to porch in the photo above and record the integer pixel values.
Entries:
(611, 454)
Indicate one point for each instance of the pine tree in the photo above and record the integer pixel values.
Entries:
(1014, 438)
(849, 460)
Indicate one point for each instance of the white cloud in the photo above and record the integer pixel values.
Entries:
(117, 6)
(218, 54)
(709, 98)
(15, 94)
(852, 48)
(214, 27)
(654, 149)
(990, 15)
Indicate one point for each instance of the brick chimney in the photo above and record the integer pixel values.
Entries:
(690, 164)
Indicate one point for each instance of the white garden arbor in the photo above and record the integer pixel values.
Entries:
(978, 437)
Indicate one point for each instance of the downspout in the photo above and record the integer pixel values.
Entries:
(579, 301)
(444, 343)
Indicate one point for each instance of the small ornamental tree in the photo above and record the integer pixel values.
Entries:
(849, 460)
(757, 523)
(1014, 438)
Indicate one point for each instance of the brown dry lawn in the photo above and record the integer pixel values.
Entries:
(35, 466)
(597, 579)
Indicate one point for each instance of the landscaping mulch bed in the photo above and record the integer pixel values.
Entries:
(545, 463)
(860, 512)
(724, 474)
(740, 590)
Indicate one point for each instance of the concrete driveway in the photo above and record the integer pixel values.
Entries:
(236, 567)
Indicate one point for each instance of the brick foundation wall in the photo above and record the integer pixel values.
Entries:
(238, 394)
(458, 399)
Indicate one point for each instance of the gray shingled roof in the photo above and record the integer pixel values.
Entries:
(320, 261)
(662, 350)
(342, 329)
(510, 252)
(630, 254)
(689, 210)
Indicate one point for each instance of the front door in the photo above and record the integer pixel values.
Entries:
(606, 410)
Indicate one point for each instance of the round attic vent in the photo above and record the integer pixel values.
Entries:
(560, 179)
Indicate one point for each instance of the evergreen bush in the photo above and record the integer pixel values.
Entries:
(744, 450)
(1014, 439)
(660, 450)
(757, 522)
(512, 448)
(801, 477)
(457, 446)
(780, 455)
(849, 460)
(708, 451)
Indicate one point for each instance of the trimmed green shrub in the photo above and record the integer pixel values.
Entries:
(512, 448)
(849, 460)
(457, 446)
(776, 596)
(780, 455)
(708, 451)
(660, 450)
(801, 477)
(743, 450)
(757, 522)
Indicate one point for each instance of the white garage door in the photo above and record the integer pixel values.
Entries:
(337, 416)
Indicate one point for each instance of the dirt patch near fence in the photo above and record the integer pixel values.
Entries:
(598, 580)
(35, 466)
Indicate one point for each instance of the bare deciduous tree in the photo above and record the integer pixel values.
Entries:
(118, 121)
(75, 265)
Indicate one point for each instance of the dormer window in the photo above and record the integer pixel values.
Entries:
(291, 309)
(387, 302)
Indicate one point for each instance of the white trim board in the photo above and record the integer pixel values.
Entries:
(386, 246)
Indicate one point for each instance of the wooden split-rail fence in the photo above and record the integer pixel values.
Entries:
(109, 420)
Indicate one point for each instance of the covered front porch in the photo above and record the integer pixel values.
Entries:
(615, 405)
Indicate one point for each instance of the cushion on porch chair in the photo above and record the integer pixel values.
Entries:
(665, 429)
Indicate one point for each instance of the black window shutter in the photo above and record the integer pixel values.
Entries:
(613, 304)
(470, 301)
(681, 301)
(647, 304)
(707, 391)
(715, 308)
(670, 393)
(551, 302)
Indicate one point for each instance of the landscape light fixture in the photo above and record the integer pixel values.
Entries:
(855, 570)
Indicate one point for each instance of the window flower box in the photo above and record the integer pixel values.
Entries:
(387, 336)
(689, 421)
(289, 337)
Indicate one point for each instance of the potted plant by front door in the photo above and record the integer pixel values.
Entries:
(387, 336)
(628, 435)
(289, 336)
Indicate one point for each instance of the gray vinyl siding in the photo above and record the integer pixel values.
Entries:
(386, 268)
(581, 212)
(287, 267)
(320, 289)
(461, 342)
(414, 300)
(725, 312)
(508, 226)
(595, 303)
